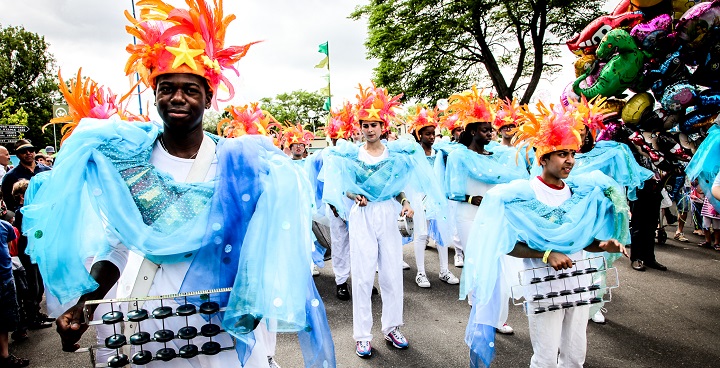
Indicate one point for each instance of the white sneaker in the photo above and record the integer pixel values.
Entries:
(598, 318)
(422, 280)
(272, 363)
(505, 329)
(459, 260)
(449, 278)
(315, 270)
(406, 266)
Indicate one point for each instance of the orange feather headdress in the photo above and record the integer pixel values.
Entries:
(590, 113)
(375, 104)
(471, 107)
(293, 134)
(551, 129)
(247, 119)
(422, 118)
(87, 99)
(507, 113)
(342, 122)
(173, 40)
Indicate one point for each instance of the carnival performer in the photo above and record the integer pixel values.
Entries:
(546, 221)
(423, 123)
(614, 159)
(342, 125)
(195, 206)
(506, 117)
(376, 176)
(472, 169)
(298, 139)
(451, 125)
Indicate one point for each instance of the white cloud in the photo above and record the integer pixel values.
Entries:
(91, 34)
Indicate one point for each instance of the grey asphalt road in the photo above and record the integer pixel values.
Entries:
(656, 319)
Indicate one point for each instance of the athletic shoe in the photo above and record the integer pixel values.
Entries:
(598, 318)
(505, 329)
(680, 237)
(406, 266)
(422, 280)
(272, 363)
(315, 270)
(459, 260)
(449, 278)
(363, 349)
(397, 339)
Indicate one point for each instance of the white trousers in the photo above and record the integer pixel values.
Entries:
(420, 242)
(375, 243)
(340, 246)
(563, 330)
(465, 217)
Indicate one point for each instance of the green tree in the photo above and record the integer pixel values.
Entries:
(298, 107)
(429, 49)
(27, 75)
(11, 116)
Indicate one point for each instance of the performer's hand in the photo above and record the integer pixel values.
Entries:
(407, 210)
(70, 326)
(361, 200)
(334, 210)
(559, 261)
(476, 200)
(613, 246)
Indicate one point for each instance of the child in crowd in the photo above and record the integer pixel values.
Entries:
(711, 218)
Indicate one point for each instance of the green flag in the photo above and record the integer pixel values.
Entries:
(326, 106)
(323, 48)
(325, 91)
(323, 63)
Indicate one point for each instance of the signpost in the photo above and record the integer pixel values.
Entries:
(9, 133)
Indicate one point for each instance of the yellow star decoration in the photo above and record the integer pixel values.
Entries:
(372, 112)
(184, 55)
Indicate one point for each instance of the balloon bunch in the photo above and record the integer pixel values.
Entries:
(665, 54)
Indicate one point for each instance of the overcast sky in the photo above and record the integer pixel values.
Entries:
(91, 34)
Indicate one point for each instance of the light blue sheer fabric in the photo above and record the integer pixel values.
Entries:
(705, 164)
(615, 160)
(501, 166)
(239, 225)
(510, 213)
(313, 165)
(403, 170)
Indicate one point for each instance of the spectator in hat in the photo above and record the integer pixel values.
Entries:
(27, 168)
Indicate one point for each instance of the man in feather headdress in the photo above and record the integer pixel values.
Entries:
(194, 206)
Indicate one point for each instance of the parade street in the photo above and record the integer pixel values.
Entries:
(655, 319)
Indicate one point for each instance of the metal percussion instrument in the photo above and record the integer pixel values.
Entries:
(543, 289)
(136, 314)
(405, 225)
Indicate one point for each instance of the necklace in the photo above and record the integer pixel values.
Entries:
(162, 144)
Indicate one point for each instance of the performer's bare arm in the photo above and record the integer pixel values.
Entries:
(71, 324)
(716, 192)
(556, 260)
(405, 203)
(610, 246)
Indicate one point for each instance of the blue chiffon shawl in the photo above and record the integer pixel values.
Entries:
(238, 226)
(406, 169)
(510, 213)
(502, 166)
(615, 160)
